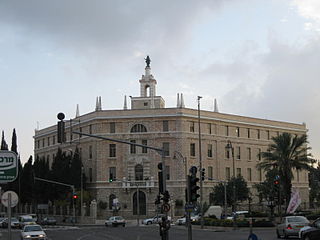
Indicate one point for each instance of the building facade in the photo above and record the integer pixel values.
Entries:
(118, 171)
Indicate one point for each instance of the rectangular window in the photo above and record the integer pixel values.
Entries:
(298, 176)
(168, 172)
(191, 126)
(258, 133)
(249, 153)
(260, 175)
(112, 173)
(227, 153)
(268, 134)
(238, 172)
(48, 141)
(238, 131)
(259, 154)
(133, 147)
(90, 152)
(112, 150)
(192, 149)
(54, 140)
(144, 149)
(43, 142)
(226, 129)
(238, 153)
(166, 148)
(210, 172)
(112, 127)
(80, 130)
(210, 150)
(227, 173)
(165, 125)
(90, 174)
(248, 132)
(209, 128)
(249, 174)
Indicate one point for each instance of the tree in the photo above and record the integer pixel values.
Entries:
(314, 183)
(242, 191)
(27, 182)
(285, 154)
(4, 145)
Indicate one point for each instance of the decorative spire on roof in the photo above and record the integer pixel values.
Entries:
(216, 106)
(178, 100)
(148, 61)
(182, 101)
(125, 103)
(77, 111)
(98, 104)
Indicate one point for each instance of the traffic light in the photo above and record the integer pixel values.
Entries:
(166, 197)
(158, 200)
(276, 181)
(160, 178)
(110, 180)
(60, 129)
(203, 174)
(75, 196)
(192, 184)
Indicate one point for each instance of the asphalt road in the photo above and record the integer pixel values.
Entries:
(144, 233)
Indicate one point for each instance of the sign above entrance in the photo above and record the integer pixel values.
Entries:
(8, 166)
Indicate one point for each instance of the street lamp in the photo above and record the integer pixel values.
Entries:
(230, 147)
(200, 166)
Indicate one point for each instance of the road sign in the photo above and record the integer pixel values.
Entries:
(5, 198)
(8, 166)
(165, 207)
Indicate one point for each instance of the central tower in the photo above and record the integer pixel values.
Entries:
(148, 98)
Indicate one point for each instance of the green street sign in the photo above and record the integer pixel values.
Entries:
(8, 166)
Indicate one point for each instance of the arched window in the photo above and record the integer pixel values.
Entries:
(138, 172)
(111, 197)
(138, 128)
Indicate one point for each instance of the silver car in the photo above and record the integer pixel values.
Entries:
(291, 225)
(33, 232)
(115, 221)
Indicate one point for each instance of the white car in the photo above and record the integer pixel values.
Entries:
(182, 221)
(155, 219)
(33, 232)
(115, 221)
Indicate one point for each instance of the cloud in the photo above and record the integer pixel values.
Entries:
(309, 9)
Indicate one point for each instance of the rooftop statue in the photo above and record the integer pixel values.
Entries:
(148, 61)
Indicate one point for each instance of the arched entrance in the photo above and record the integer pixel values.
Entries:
(142, 203)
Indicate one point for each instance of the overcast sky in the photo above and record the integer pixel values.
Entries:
(259, 58)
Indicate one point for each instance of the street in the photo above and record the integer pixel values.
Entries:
(143, 233)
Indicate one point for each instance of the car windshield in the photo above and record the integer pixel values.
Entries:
(118, 218)
(33, 228)
(298, 219)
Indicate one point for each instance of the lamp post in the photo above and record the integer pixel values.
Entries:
(184, 160)
(81, 195)
(200, 166)
(230, 147)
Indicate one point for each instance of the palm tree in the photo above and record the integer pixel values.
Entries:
(287, 153)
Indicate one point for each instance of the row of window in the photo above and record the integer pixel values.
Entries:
(211, 128)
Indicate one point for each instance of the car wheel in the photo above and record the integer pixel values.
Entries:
(285, 236)
(149, 222)
(123, 225)
(306, 238)
(278, 234)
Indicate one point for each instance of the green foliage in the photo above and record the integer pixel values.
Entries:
(286, 153)
(102, 205)
(179, 203)
(242, 191)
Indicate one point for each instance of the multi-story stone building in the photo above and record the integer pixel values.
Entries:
(176, 130)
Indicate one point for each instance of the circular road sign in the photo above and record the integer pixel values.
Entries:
(5, 199)
(165, 207)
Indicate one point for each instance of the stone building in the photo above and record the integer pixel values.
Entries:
(149, 122)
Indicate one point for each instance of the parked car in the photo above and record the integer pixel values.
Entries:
(14, 223)
(155, 219)
(48, 221)
(33, 232)
(291, 225)
(311, 233)
(183, 220)
(115, 221)
(238, 215)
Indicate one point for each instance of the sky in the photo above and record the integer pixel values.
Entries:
(258, 58)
